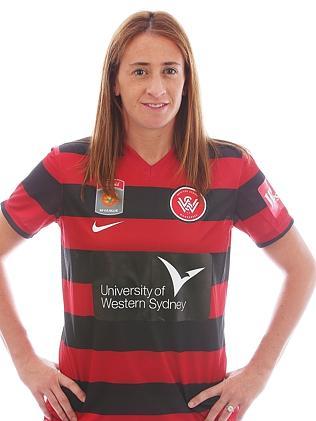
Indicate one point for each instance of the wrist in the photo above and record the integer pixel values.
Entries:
(23, 365)
(259, 368)
(266, 356)
(22, 353)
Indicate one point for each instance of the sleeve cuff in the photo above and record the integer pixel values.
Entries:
(12, 223)
(267, 243)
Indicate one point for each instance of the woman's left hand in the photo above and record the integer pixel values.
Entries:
(239, 388)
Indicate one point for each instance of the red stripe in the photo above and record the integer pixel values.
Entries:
(25, 211)
(52, 164)
(249, 171)
(222, 171)
(157, 235)
(263, 226)
(218, 300)
(78, 298)
(196, 416)
(142, 366)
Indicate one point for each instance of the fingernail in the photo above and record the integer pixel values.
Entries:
(191, 404)
(83, 398)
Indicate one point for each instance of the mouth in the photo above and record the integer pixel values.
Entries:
(156, 106)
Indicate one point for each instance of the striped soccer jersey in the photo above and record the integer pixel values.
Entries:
(145, 276)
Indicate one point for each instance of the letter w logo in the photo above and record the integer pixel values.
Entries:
(187, 205)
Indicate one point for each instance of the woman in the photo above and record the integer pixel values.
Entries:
(146, 206)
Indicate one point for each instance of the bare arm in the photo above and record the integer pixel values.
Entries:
(39, 375)
(13, 333)
(292, 255)
(242, 386)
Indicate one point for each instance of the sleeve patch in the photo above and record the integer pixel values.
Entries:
(271, 198)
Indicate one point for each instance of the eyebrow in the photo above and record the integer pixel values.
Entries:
(166, 63)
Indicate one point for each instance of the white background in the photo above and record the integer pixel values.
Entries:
(257, 75)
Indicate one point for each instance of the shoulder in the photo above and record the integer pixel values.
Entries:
(231, 162)
(226, 149)
(66, 158)
(80, 146)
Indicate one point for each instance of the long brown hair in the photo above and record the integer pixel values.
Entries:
(190, 139)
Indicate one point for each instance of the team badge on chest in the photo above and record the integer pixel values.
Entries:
(186, 204)
(108, 205)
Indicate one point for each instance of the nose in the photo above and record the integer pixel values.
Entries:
(156, 86)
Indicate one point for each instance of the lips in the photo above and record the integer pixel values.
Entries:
(155, 106)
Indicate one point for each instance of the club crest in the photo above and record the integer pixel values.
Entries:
(186, 205)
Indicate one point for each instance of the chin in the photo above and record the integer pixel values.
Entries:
(154, 126)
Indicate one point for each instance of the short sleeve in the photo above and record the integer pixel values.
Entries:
(259, 212)
(37, 200)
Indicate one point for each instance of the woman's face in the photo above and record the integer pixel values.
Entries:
(150, 81)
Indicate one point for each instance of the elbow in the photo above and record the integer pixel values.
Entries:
(309, 272)
(305, 270)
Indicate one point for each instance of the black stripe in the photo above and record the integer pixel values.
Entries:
(79, 147)
(224, 151)
(139, 399)
(90, 333)
(12, 223)
(278, 236)
(249, 200)
(88, 266)
(45, 189)
(136, 273)
(148, 203)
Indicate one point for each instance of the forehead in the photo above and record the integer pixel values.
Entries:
(151, 48)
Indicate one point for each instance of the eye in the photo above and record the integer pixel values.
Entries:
(172, 69)
(137, 72)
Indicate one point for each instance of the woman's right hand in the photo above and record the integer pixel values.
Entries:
(44, 379)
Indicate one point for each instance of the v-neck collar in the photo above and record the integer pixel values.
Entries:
(131, 152)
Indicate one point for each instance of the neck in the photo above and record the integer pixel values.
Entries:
(150, 144)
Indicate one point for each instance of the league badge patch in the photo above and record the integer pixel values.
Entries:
(271, 198)
(108, 205)
(186, 205)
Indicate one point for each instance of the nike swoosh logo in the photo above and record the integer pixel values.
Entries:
(177, 281)
(95, 228)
